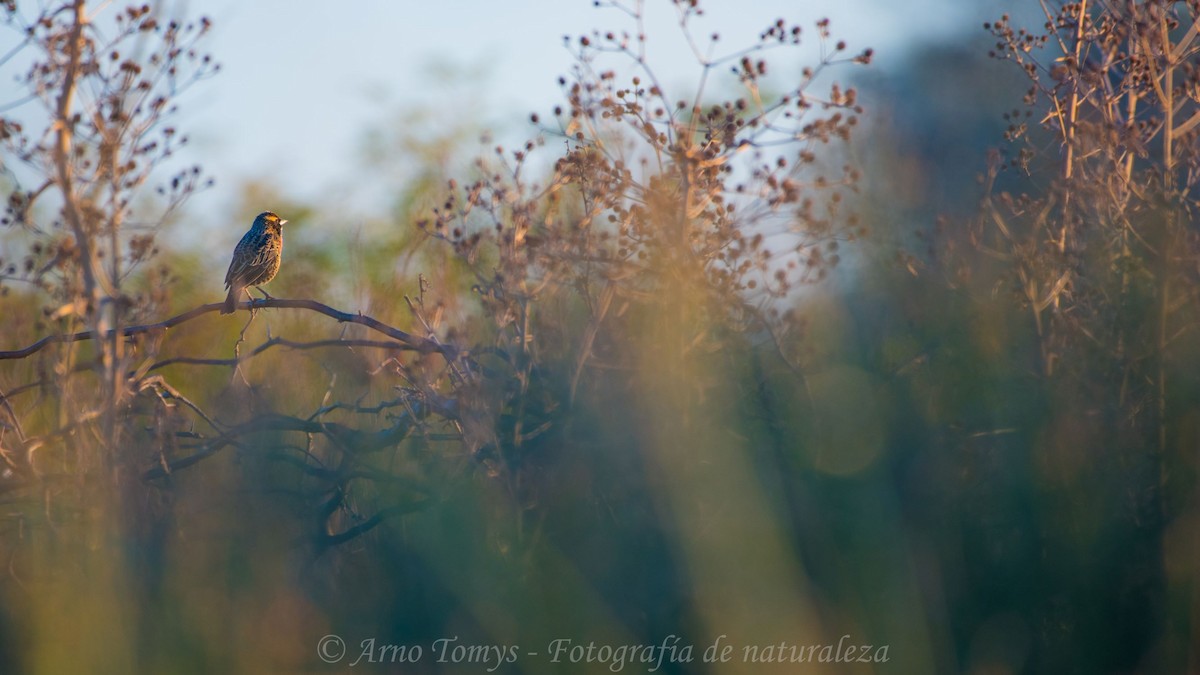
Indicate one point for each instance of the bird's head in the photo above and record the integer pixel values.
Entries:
(269, 219)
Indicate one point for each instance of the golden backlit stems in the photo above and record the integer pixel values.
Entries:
(1127, 83)
(1072, 115)
(97, 311)
(1164, 88)
(1166, 94)
(96, 304)
(64, 128)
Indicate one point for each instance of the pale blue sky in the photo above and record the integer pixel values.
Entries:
(302, 81)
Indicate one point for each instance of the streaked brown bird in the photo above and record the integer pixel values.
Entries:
(255, 260)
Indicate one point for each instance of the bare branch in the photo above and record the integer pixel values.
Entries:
(410, 341)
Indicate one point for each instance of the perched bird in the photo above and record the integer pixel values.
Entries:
(255, 260)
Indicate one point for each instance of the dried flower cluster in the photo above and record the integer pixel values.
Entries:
(108, 93)
(738, 196)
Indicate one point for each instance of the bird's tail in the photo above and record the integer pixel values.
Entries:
(231, 300)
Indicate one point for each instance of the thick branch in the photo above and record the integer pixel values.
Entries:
(417, 343)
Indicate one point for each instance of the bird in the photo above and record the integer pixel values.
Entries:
(255, 260)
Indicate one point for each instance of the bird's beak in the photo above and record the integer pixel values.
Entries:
(283, 222)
